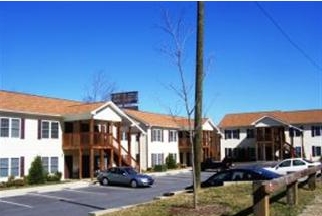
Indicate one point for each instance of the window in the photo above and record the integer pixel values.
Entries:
(53, 164)
(4, 124)
(10, 127)
(14, 171)
(294, 132)
(250, 133)
(316, 131)
(44, 129)
(228, 152)
(172, 136)
(298, 163)
(232, 134)
(298, 151)
(285, 164)
(157, 135)
(4, 167)
(157, 159)
(124, 136)
(316, 151)
(49, 130)
(54, 130)
(44, 161)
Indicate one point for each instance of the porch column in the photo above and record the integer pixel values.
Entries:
(91, 152)
(111, 158)
(273, 142)
(119, 143)
(139, 149)
(282, 143)
(292, 144)
(102, 164)
(302, 145)
(129, 146)
(80, 163)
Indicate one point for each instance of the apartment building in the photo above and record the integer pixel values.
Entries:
(168, 134)
(72, 137)
(272, 135)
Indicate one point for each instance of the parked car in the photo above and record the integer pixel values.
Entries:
(210, 163)
(124, 176)
(292, 165)
(237, 174)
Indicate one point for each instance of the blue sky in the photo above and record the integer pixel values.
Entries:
(54, 48)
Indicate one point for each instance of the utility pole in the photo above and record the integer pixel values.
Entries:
(198, 95)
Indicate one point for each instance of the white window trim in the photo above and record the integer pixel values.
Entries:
(10, 127)
(49, 129)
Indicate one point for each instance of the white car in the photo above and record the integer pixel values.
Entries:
(292, 165)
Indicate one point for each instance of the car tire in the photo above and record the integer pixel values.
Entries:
(134, 183)
(105, 182)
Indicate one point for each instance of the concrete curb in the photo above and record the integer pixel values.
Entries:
(155, 199)
(44, 188)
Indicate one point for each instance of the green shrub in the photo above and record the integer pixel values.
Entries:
(54, 176)
(171, 162)
(36, 172)
(160, 168)
(20, 182)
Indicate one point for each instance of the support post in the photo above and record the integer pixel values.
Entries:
(80, 163)
(91, 152)
(119, 143)
(129, 146)
(260, 200)
(312, 181)
(102, 164)
(292, 193)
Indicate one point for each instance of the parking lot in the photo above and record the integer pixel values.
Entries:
(80, 201)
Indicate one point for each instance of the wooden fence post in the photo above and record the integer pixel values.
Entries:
(292, 193)
(312, 181)
(260, 199)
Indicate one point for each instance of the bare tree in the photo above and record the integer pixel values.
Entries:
(175, 49)
(99, 88)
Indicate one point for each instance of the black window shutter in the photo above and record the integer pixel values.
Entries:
(22, 128)
(312, 131)
(22, 166)
(39, 128)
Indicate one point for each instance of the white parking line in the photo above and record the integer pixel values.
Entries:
(85, 192)
(17, 204)
(49, 196)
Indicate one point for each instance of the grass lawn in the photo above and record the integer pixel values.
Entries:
(221, 201)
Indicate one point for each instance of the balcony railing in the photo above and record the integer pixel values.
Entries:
(75, 140)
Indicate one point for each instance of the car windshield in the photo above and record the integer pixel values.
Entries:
(130, 171)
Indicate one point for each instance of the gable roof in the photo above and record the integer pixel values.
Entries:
(163, 120)
(288, 117)
(40, 105)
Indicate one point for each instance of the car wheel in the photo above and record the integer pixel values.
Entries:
(104, 182)
(133, 183)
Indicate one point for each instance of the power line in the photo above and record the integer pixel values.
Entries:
(288, 38)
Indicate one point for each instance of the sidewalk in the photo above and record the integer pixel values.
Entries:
(73, 184)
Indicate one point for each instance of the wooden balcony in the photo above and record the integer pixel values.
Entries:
(83, 140)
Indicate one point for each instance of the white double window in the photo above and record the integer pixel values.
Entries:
(49, 129)
(157, 135)
(10, 127)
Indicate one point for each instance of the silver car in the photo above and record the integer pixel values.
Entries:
(126, 176)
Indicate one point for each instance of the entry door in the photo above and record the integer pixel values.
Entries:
(68, 166)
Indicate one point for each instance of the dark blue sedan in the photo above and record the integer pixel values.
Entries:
(126, 176)
(238, 174)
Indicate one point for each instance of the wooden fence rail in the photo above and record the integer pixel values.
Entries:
(263, 189)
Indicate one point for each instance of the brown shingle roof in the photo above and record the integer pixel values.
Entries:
(160, 120)
(22, 102)
(154, 119)
(290, 117)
